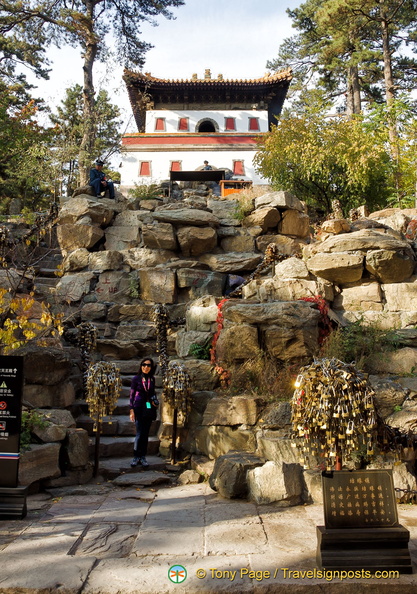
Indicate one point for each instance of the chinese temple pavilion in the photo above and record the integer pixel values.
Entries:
(182, 123)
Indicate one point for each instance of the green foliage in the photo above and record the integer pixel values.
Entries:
(87, 25)
(200, 351)
(134, 292)
(357, 342)
(70, 127)
(31, 419)
(145, 191)
(350, 50)
(322, 158)
(26, 166)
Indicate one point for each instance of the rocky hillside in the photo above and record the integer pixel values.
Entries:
(122, 257)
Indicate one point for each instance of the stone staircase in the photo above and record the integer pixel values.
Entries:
(118, 432)
(46, 267)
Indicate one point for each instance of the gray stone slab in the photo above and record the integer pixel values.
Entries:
(226, 512)
(46, 539)
(237, 539)
(57, 574)
(184, 540)
(147, 478)
(164, 517)
(121, 510)
(192, 492)
(137, 493)
(69, 513)
(113, 576)
(105, 541)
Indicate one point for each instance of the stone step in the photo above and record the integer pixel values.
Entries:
(113, 467)
(116, 447)
(46, 281)
(49, 272)
(119, 425)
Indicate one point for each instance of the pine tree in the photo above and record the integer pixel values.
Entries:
(85, 23)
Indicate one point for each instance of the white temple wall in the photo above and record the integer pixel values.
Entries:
(172, 118)
(160, 164)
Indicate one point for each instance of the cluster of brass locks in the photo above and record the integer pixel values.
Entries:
(103, 385)
(177, 388)
(86, 342)
(272, 256)
(160, 317)
(333, 412)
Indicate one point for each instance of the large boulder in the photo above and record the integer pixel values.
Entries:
(47, 366)
(195, 241)
(401, 296)
(399, 362)
(138, 258)
(186, 216)
(272, 482)
(105, 260)
(266, 218)
(71, 237)
(229, 476)
(157, 285)
(76, 448)
(159, 236)
(216, 440)
(294, 223)
(237, 343)
(201, 314)
(201, 282)
(113, 285)
(85, 206)
(359, 297)
(358, 241)
(282, 200)
(41, 396)
(225, 211)
(237, 410)
(233, 263)
(341, 269)
(73, 287)
(40, 462)
(121, 238)
(390, 266)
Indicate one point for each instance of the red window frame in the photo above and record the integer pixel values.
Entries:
(230, 124)
(144, 168)
(238, 167)
(253, 125)
(160, 125)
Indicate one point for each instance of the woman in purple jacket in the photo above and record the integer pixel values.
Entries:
(143, 407)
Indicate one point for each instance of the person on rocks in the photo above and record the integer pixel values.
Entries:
(99, 182)
(143, 408)
(207, 167)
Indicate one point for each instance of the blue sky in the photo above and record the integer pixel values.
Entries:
(232, 37)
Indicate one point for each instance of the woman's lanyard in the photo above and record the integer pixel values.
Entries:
(146, 384)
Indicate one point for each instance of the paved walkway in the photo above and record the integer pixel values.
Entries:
(121, 541)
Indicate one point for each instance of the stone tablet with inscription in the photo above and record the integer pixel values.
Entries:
(359, 499)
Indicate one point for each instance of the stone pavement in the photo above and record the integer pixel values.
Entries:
(110, 540)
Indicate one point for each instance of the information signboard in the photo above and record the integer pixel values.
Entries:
(359, 499)
(11, 387)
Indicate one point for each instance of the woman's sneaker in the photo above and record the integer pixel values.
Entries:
(134, 462)
(144, 463)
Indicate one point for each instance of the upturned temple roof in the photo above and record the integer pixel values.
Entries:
(149, 92)
(267, 79)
